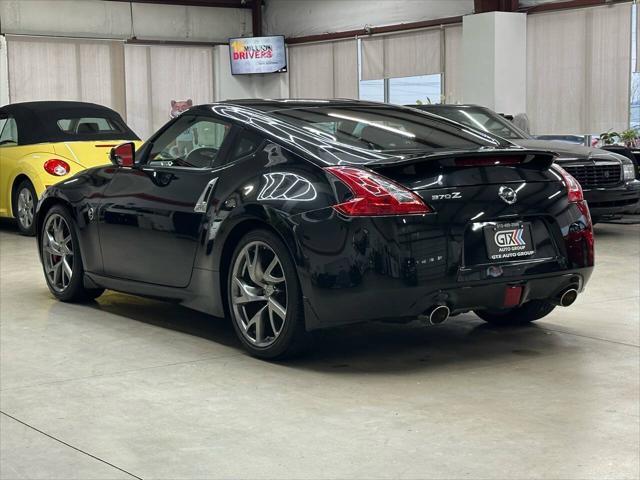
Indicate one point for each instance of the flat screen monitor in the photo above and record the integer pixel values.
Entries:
(257, 55)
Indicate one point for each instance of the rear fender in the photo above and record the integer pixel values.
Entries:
(32, 165)
(219, 229)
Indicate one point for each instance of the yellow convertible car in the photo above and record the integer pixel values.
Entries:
(43, 143)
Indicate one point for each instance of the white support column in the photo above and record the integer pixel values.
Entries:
(495, 61)
(4, 72)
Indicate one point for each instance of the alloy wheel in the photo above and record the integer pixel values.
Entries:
(57, 252)
(259, 294)
(26, 206)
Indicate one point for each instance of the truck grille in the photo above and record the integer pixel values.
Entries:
(596, 176)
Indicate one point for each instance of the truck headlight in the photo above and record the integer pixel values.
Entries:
(628, 170)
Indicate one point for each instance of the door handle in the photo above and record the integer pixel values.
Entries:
(203, 200)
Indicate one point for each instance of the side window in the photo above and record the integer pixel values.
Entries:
(8, 132)
(89, 125)
(191, 141)
(245, 144)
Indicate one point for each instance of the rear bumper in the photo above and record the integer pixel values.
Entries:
(613, 201)
(352, 306)
(474, 297)
(361, 269)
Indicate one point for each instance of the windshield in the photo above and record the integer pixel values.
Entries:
(481, 119)
(383, 128)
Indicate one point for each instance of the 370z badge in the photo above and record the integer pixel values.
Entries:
(447, 196)
(507, 241)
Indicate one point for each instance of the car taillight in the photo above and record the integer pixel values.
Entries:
(580, 241)
(57, 167)
(574, 190)
(375, 195)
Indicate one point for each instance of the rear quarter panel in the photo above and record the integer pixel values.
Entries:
(25, 160)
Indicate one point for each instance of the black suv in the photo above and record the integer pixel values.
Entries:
(607, 178)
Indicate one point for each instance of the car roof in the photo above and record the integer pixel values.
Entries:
(36, 121)
(49, 105)
(263, 116)
(288, 103)
(436, 106)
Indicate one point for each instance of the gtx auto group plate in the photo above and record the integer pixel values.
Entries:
(508, 241)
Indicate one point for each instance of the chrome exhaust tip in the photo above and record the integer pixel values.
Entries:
(437, 314)
(568, 297)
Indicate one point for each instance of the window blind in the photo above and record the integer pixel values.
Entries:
(324, 70)
(402, 54)
(578, 70)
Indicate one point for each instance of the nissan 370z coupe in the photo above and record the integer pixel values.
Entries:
(290, 216)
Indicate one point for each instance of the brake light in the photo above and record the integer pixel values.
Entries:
(57, 167)
(487, 161)
(375, 195)
(574, 190)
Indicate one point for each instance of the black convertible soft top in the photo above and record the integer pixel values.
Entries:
(37, 122)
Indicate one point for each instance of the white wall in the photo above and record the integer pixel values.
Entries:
(206, 24)
(229, 87)
(296, 18)
(102, 19)
(80, 18)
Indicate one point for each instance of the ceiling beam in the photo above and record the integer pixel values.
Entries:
(569, 4)
(254, 5)
(256, 17)
(482, 6)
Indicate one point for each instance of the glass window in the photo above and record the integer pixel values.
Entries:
(401, 91)
(89, 125)
(382, 128)
(8, 132)
(190, 142)
(246, 143)
(413, 90)
(372, 90)
(479, 118)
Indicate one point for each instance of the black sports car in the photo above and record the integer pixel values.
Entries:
(289, 216)
(608, 179)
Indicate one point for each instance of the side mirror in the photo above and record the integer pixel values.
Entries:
(123, 155)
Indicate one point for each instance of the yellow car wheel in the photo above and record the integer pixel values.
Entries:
(24, 201)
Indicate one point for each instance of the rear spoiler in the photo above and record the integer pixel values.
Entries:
(537, 159)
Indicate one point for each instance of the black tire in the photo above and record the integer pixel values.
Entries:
(292, 338)
(26, 223)
(529, 312)
(75, 291)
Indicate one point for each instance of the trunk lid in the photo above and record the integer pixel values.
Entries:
(463, 168)
(475, 191)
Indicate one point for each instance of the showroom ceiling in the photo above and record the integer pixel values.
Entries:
(197, 3)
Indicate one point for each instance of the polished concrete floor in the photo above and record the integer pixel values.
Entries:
(134, 388)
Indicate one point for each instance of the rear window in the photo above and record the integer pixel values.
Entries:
(383, 129)
(480, 119)
(89, 125)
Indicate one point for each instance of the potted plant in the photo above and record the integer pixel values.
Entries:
(609, 137)
(629, 137)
